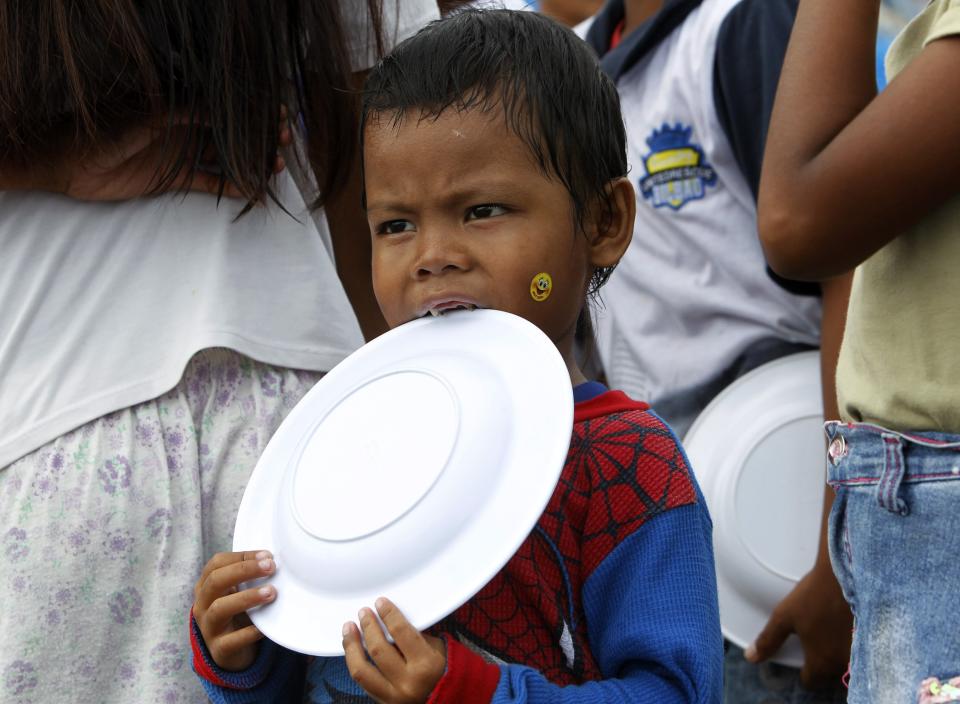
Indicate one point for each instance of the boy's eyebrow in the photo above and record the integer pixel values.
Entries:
(499, 189)
(391, 206)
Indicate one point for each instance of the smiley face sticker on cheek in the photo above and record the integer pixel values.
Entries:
(540, 287)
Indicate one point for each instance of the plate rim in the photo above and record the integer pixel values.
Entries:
(791, 652)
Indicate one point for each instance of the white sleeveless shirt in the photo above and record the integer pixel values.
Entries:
(692, 291)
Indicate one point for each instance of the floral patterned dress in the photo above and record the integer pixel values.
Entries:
(104, 531)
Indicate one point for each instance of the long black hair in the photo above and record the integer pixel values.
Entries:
(75, 73)
(546, 81)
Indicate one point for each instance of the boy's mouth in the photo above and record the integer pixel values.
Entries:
(437, 308)
(462, 306)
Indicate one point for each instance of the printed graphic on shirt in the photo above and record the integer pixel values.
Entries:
(677, 170)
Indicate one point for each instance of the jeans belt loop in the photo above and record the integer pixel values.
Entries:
(893, 469)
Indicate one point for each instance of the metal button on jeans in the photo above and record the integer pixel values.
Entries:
(837, 449)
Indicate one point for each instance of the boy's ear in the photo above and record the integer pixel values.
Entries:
(611, 231)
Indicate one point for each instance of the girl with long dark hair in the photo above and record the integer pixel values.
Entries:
(150, 346)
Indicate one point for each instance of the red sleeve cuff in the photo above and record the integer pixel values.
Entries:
(200, 664)
(469, 679)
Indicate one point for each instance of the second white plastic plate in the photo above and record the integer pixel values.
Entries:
(758, 453)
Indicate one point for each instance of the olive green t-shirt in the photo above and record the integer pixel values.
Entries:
(899, 362)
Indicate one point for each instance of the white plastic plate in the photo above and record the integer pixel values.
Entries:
(758, 453)
(413, 470)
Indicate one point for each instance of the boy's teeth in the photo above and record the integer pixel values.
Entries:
(463, 306)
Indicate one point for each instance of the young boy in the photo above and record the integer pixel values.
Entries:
(693, 305)
(495, 152)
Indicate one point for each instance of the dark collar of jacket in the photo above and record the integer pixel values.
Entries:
(640, 41)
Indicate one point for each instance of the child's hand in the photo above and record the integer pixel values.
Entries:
(405, 673)
(220, 610)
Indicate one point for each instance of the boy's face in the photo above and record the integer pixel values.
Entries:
(461, 215)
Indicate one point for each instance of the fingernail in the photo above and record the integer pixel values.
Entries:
(263, 555)
(266, 565)
(346, 629)
(750, 654)
(380, 603)
(362, 613)
(266, 592)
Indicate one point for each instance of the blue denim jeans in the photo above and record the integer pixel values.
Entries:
(895, 547)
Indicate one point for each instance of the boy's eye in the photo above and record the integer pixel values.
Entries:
(393, 227)
(487, 210)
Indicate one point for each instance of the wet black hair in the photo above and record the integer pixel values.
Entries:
(74, 75)
(544, 78)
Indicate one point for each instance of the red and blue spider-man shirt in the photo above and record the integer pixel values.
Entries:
(611, 598)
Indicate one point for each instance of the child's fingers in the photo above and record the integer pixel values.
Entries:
(221, 613)
(384, 654)
(235, 640)
(235, 651)
(409, 640)
(224, 579)
(221, 559)
(363, 672)
(228, 578)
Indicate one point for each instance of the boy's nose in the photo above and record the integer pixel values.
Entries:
(440, 253)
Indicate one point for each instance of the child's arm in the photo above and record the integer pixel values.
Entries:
(745, 85)
(652, 618)
(231, 657)
(653, 625)
(847, 170)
